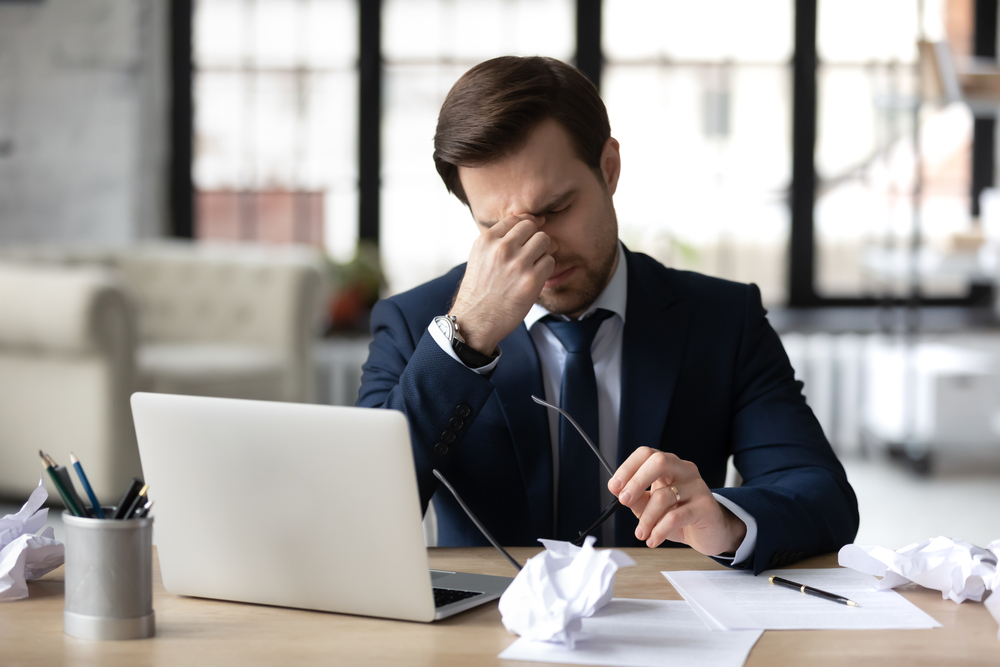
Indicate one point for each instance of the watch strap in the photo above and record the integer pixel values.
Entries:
(471, 357)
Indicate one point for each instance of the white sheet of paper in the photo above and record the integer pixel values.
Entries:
(709, 620)
(643, 633)
(737, 600)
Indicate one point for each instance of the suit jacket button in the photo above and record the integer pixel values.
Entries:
(441, 449)
(448, 437)
(456, 424)
(463, 410)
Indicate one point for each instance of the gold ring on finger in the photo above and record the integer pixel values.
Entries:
(676, 493)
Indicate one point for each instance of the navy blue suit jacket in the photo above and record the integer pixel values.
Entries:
(703, 376)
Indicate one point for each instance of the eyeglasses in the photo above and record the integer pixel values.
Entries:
(608, 511)
(590, 530)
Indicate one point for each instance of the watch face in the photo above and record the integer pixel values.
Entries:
(444, 324)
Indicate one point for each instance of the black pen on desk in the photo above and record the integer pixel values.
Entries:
(809, 590)
(94, 505)
(50, 467)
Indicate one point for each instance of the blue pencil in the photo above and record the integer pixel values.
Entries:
(96, 506)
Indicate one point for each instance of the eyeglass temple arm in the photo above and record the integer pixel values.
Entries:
(605, 515)
(604, 461)
(472, 516)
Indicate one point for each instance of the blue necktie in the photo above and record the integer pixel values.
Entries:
(579, 480)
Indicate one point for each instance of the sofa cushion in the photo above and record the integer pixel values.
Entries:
(61, 309)
(212, 369)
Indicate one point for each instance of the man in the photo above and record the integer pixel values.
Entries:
(671, 372)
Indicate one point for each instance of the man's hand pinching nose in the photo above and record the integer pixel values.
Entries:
(508, 266)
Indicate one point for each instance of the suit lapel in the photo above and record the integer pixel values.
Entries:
(655, 335)
(516, 378)
(653, 344)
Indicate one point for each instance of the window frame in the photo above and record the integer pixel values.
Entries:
(590, 60)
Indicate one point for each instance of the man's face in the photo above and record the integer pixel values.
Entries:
(547, 182)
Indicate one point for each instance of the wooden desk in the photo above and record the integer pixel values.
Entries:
(191, 631)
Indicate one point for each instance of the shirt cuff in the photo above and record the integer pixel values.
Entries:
(440, 339)
(750, 541)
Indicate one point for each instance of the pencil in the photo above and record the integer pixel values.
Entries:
(95, 506)
(60, 487)
(809, 590)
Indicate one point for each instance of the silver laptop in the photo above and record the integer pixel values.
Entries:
(293, 505)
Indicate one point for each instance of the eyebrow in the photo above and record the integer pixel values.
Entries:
(552, 204)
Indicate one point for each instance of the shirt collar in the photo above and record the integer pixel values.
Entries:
(613, 298)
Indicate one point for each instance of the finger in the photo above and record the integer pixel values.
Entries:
(536, 275)
(500, 229)
(671, 525)
(657, 466)
(638, 505)
(520, 233)
(661, 501)
(543, 268)
(537, 246)
(511, 246)
(674, 490)
(626, 470)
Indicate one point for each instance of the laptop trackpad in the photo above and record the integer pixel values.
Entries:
(440, 574)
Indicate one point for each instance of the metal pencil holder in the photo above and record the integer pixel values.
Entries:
(109, 578)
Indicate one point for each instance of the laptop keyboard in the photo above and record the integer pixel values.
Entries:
(443, 596)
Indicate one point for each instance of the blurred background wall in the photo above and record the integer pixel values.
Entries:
(84, 119)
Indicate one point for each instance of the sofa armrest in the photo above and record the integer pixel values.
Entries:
(61, 309)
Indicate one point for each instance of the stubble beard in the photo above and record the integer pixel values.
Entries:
(573, 301)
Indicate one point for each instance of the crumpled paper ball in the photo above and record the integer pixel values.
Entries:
(26, 554)
(559, 587)
(961, 571)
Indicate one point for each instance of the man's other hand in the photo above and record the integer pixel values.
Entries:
(507, 269)
(673, 503)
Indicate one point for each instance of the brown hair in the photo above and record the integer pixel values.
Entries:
(492, 108)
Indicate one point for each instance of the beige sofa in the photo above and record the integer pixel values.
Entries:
(67, 343)
(82, 328)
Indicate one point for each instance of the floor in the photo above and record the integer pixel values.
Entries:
(960, 500)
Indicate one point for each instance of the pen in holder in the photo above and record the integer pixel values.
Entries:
(109, 578)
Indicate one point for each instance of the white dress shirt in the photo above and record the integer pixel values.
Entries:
(606, 351)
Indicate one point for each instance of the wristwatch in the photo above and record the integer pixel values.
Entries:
(448, 324)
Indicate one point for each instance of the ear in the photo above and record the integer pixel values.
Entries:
(611, 164)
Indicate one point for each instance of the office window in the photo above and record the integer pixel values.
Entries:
(869, 114)
(275, 98)
(699, 95)
(426, 46)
